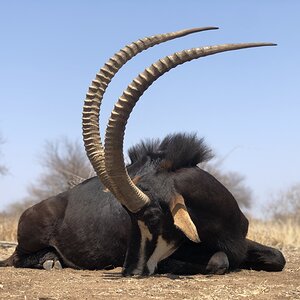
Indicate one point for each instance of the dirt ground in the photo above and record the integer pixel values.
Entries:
(73, 284)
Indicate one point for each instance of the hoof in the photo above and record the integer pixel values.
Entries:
(48, 265)
(218, 264)
(57, 265)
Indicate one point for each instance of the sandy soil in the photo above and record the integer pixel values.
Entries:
(73, 284)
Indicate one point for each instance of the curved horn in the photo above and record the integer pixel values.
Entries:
(91, 109)
(126, 191)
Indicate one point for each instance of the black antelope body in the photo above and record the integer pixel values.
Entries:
(162, 213)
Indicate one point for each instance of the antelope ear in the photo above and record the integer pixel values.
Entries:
(182, 219)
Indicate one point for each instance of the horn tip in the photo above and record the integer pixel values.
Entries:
(205, 28)
(269, 44)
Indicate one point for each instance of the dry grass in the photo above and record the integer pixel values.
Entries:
(273, 233)
(8, 228)
(276, 233)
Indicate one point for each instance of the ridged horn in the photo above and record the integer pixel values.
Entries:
(126, 191)
(92, 103)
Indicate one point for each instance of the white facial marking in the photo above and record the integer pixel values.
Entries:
(162, 251)
(145, 235)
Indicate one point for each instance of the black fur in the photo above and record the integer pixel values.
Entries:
(184, 151)
(147, 148)
(175, 151)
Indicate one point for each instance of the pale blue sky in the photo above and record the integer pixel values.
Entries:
(246, 100)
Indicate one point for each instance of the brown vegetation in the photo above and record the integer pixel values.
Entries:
(65, 165)
(285, 205)
(8, 228)
(281, 234)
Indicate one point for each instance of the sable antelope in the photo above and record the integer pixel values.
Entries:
(162, 213)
